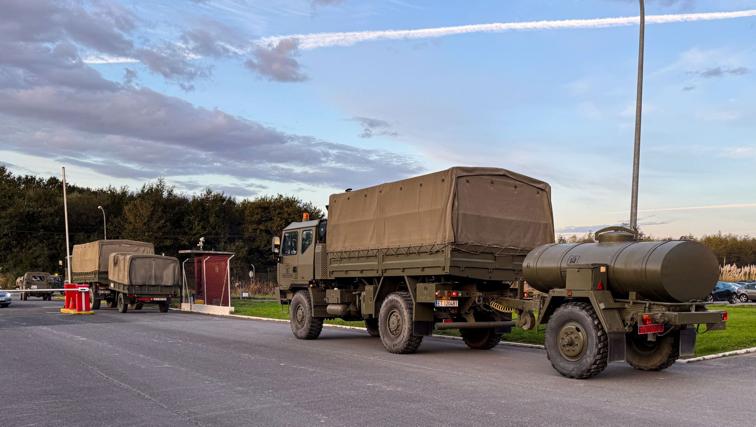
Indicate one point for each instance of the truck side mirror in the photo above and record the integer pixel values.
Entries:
(276, 244)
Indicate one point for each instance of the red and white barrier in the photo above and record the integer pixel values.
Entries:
(77, 299)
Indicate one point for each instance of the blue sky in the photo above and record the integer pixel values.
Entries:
(197, 92)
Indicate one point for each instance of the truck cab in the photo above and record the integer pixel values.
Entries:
(300, 244)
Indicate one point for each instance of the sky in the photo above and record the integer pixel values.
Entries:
(308, 98)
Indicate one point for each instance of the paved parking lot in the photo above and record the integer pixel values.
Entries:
(148, 368)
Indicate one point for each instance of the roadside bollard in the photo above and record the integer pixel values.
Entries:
(77, 299)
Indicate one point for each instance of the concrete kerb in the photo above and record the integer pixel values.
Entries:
(357, 328)
(508, 343)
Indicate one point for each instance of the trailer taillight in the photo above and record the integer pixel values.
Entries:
(455, 294)
(647, 320)
(725, 316)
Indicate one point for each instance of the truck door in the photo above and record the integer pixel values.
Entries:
(306, 267)
(287, 267)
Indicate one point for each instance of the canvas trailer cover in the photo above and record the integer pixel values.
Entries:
(482, 209)
(143, 270)
(90, 260)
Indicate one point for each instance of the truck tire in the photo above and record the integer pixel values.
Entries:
(122, 305)
(163, 306)
(372, 327)
(395, 324)
(656, 355)
(96, 303)
(303, 325)
(576, 342)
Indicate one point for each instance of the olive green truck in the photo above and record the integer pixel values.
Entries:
(126, 273)
(454, 250)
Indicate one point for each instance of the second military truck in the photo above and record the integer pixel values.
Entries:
(453, 249)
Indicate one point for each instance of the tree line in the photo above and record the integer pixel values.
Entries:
(32, 231)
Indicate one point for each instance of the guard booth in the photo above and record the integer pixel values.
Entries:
(206, 281)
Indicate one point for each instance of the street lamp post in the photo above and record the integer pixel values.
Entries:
(104, 223)
(638, 114)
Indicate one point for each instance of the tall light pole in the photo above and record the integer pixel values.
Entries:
(104, 223)
(638, 114)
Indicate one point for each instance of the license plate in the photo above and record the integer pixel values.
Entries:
(159, 299)
(34, 286)
(650, 329)
(447, 303)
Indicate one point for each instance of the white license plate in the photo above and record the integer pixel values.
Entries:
(447, 303)
(159, 299)
(34, 286)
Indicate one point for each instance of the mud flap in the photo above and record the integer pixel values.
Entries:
(617, 345)
(420, 328)
(687, 342)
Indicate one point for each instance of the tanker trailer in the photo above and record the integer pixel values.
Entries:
(620, 299)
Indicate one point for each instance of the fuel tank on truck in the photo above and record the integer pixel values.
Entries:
(667, 271)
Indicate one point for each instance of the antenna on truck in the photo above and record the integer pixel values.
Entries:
(638, 114)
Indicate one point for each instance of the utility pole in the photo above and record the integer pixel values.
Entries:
(638, 114)
(65, 216)
(104, 224)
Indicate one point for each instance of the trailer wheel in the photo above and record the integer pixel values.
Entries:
(395, 324)
(646, 355)
(303, 325)
(122, 305)
(372, 327)
(576, 342)
(163, 306)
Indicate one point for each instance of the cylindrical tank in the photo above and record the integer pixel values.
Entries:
(669, 271)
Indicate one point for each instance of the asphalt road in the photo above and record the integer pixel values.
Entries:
(148, 368)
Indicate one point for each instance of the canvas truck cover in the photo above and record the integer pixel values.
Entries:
(139, 269)
(93, 256)
(461, 206)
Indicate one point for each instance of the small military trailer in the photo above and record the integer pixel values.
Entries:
(138, 279)
(32, 280)
(89, 265)
(414, 256)
(457, 249)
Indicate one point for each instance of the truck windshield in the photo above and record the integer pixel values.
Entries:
(289, 245)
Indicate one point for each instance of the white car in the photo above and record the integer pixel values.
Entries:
(5, 299)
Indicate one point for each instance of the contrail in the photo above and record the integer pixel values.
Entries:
(318, 40)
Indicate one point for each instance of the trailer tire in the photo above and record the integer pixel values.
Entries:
(395, 324)
(576, 343)
(652, 356)
(122, 305)
(372, 327)
(303, 325)
(481, 339)
(163, 306)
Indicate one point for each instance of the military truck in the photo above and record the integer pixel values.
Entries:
(34, 280)
(89, 265)
(447, 250)
(138, 279)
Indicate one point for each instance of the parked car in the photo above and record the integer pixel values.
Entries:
(724, 291)
(5, 299)
(747, 292)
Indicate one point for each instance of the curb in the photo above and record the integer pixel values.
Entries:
(356, 328)
(719, 355)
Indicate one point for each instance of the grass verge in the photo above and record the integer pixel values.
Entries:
(740, 332)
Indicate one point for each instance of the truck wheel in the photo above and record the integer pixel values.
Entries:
(303, 325)
(122, 305)
(395, 324)
(576, 343)
(646, 355)
(480, 339)
(96, 303)
(163, 306)
(372, 327)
